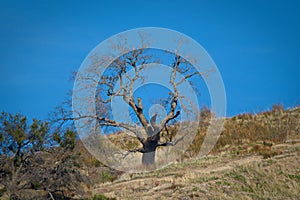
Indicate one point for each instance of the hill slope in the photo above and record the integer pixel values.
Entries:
(256, 157)
(223, 176)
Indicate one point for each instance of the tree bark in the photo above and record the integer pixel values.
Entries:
(148, 158)
(149, 148)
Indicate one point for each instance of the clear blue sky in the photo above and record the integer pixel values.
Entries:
(255, 45)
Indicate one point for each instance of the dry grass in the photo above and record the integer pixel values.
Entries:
(242, 132)
(251, 160)
(216, 177)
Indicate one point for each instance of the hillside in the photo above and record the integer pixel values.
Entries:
(256, 157)
(223, 176)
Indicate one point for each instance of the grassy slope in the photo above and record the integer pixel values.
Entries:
(223, 176)
(253, 159)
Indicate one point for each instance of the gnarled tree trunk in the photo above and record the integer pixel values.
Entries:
(149, 149)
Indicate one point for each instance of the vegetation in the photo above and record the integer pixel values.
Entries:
(36, 161)
(217, 177)
(246, 133)
(40, 161)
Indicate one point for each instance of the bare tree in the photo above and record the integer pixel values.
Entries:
(119, 80)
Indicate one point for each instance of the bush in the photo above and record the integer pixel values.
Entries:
(105, 176)
(101, 197)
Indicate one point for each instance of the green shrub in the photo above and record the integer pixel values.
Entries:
(99, 197)
(105, 176)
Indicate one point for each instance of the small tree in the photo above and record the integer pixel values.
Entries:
(37, 163)
(18, 142)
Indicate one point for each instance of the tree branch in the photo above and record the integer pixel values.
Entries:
(170, 143)
(108, 122)
(174, 102)
(132, 151)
